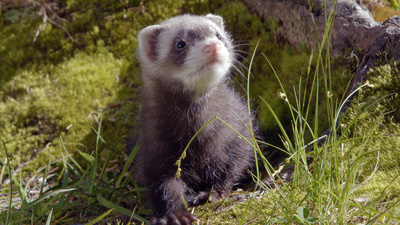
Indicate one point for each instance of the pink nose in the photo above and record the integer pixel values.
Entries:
(211, 49)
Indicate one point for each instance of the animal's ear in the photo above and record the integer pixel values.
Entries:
(216, 19)
(147, 41)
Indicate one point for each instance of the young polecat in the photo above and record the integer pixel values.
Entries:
(185, 63)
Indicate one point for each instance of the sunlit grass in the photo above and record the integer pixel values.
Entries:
(93, 191)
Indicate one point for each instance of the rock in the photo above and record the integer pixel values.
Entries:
(353, 28)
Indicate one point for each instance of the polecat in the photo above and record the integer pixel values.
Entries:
(185, 62)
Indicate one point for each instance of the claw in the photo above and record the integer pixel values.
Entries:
(184, 219)
(203, 196)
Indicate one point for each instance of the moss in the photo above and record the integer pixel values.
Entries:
(16, 48)
(395, 4)
(382, 13)
(375, 119)
(70, 75)
(47, 102)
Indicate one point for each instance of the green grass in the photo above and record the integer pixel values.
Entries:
(327, 190)
(75, 190)
(323, 192)
(52, 83)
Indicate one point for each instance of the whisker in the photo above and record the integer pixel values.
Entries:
(239, 63)
(242, 41)
(240, 72)
(240, 58)
(240, 46)
(238, 51)
(241, 51)
(238, 83)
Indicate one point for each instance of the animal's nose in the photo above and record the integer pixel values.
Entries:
(212, 49)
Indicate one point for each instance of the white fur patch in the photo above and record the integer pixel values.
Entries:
(198, 73)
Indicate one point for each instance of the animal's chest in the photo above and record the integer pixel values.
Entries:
(182, 122)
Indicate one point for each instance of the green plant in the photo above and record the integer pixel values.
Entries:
(324, 184)
(395, 4)
(92, 190)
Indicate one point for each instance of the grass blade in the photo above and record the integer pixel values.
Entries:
(120, 209)
(98, 219)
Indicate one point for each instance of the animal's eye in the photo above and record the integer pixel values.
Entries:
(180, 45)
(219, 36)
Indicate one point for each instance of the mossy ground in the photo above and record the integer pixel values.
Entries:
(374, 121)
(67, 76)
(58, 78)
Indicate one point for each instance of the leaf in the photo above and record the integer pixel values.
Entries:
(88, 157)
(120, 209)
(98, 219)
(49, 217)
(303, 212)
(42, 198)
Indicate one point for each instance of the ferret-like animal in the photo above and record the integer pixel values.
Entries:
(185, 63)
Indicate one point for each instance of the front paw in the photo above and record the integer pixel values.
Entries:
(182, 218)
(204, 196)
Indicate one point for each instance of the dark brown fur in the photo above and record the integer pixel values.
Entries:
(217, 158)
